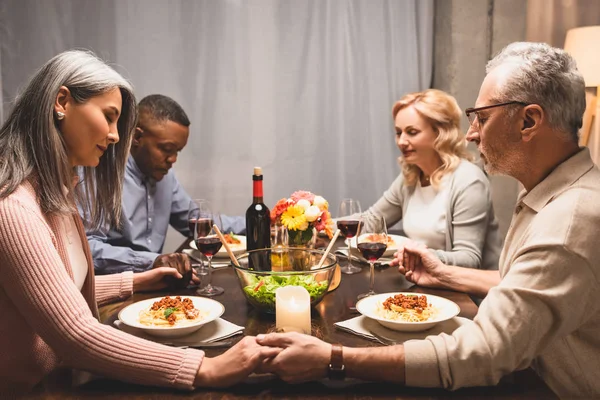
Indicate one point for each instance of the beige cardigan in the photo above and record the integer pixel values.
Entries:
(47, 322)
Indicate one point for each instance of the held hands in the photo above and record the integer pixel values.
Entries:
(302, 357)
(173, 269)
(419, 264)
(235, 364)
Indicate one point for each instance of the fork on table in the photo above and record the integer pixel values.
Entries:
(383, 340)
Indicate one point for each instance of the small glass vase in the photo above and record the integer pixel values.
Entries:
(303, 240)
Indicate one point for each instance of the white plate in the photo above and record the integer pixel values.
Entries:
(222, 253)
(130, 316)
(447, 309)
(397, 241)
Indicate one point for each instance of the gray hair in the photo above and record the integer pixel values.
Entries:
(32, 146)
(546, 76)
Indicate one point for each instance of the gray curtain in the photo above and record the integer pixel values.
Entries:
(303, 88)
(548, 21)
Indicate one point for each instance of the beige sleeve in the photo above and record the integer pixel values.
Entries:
(390, 204)
(548, 292)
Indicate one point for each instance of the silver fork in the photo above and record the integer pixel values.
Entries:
(383, 340)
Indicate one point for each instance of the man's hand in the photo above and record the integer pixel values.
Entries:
(419, 265)
(180, 262)
(154, 279)
(303, 357)
(235, 364)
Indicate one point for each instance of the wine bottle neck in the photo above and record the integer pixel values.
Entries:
(257, 191)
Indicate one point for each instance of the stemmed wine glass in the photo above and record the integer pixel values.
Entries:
(193, 212)
(206, 240)
(347, 222)
(372, 243)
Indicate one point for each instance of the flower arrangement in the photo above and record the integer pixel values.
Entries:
(302, 212)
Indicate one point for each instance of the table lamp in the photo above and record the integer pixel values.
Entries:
(582, 44)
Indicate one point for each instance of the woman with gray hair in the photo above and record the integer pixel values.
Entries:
(78, 112)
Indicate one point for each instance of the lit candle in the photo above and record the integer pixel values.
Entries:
(292, 309)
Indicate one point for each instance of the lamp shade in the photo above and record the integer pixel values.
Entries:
(582, 44)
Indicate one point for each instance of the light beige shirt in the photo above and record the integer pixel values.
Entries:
(545, 313)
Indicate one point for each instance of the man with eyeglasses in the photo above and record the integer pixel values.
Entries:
(542, 308)
(153, 199)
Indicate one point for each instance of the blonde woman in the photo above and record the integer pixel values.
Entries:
(77, 111)
(442, 198)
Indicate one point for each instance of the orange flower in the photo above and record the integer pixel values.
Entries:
(279, 209)
(325, 223)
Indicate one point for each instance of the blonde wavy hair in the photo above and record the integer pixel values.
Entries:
(442, 112)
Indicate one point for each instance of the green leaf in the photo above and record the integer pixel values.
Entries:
(169, 311)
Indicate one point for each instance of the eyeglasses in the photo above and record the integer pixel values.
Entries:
(472, 112)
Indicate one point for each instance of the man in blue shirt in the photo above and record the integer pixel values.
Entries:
(153, 199)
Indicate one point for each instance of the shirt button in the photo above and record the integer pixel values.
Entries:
(149, 219)
(518, 209)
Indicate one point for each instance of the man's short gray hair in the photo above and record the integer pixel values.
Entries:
(546, 76)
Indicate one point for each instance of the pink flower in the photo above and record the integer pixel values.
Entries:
(302, 194)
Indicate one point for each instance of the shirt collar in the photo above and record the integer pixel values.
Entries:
(136, 172)
(559, 179)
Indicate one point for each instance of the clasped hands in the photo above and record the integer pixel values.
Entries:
(167, 269)
(293, 357)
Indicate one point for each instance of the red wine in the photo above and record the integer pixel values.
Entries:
(348, 228)
(372, 251)
(209, 246)
(203, 226)
(258, 222)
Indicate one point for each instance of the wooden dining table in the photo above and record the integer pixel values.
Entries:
(336, 306)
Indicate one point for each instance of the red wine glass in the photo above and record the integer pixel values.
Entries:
(372, 243)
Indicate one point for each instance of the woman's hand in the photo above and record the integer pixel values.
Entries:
(302, 358)
(404, 258)
(235, 364)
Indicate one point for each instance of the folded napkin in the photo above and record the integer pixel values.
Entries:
(363, 326)
(216, 330)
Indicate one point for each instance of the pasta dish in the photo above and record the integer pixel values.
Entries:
(377, 238)
(171, 311)
(230, 238)
(407, 308)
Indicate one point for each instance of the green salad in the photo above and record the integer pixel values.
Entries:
(262, 288)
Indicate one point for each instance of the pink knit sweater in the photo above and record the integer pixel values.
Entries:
(46, 321)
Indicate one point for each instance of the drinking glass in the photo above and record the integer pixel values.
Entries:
(347, 222)
(193, 213)
(207, 241)
(372, 243)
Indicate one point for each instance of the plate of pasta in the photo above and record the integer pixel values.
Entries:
(393, 242)
(171, 316)
(237, 244)
(407, 312)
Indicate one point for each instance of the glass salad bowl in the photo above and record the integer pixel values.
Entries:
(263, 271)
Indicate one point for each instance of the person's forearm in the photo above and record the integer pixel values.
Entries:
(472, 281)
(375, 363)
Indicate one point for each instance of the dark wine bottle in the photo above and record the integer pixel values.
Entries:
(258, 225)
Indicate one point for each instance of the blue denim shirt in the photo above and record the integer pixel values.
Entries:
(149, 207)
